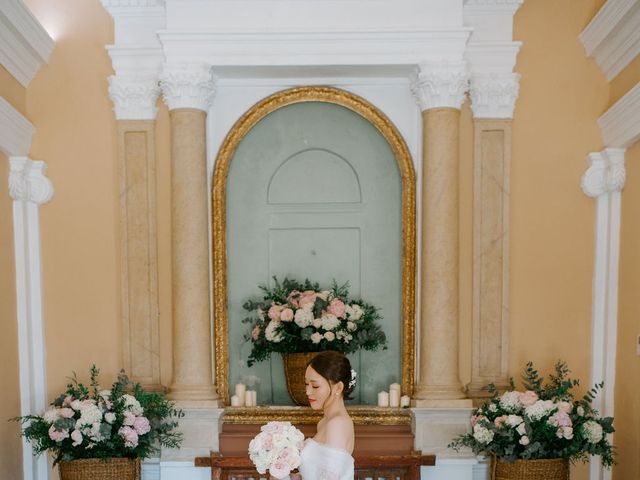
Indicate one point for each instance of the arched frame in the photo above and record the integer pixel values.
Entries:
(219, 193)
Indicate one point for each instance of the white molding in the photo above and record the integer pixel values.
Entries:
(620, 125)
(134, 98)
(188, 86)
(494, 95)
(15, 131)
(604, 180)
(24, 43)
(613, 36)
(440, 85)
(491, 7)
(29, 188)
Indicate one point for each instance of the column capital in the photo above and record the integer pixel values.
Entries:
(28, 182)
(494, 95)
(440, 84)
(606, 172)
(188, 86)
(134, 97)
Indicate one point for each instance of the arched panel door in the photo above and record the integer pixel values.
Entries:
(314, 191)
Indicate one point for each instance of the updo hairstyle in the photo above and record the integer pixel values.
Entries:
(334, 367)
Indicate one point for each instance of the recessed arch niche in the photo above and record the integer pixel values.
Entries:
(346, 195)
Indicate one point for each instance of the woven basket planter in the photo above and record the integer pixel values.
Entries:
(295, 364)
(547, 469)
(100, 469)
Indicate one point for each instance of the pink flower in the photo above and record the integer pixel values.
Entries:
(57, 435)
(294, 298)
(129, 418)
(279, 469)
(130, 437)
(67, 401)
(500, 421)
(66, 412)
(565, 407)
(141, 425)
(274, 312)
(476, 418)
(337, 308)
(255, 333)
(560, 419)
(528, 398)
(307, 298)
(286, 315)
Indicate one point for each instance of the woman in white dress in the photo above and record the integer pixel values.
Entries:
(329, 380)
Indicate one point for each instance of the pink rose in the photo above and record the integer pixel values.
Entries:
(528, 398)
(337, 308)
(307, 298)
(280, 469)
(57, 435)
(66, 412)
(67, 401)
(141, 425)
(286, 315)
(500, 421)
(130, 437)
(294, 298)
(560, 419)
(274, 312)
(255, 333)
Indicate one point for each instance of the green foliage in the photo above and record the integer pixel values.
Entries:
(354, 330)
(110, 409)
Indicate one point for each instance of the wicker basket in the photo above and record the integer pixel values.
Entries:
(295, 365)
(547, 469)
(100, 469)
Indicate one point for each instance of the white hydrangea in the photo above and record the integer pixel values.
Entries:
(303, 317)
(51, 415)
(514, 420)
(592, 431)
(482, 434)
(539, 409)
(510, 401)
(131, 404)
(271, 334)
(329, 322)
(89, 414)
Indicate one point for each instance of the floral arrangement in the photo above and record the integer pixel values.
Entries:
(83, 422)
(276, 448)
(542, 422)
(298, 317)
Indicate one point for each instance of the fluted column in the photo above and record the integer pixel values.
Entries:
(439, 89)
(188, 92)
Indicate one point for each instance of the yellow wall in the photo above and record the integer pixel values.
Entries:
(627, 393)
(12, 91)
(10, 445)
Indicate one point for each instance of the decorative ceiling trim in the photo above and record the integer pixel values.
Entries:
(15, 131)
(620, 125)
(24, 43)
(613, 36)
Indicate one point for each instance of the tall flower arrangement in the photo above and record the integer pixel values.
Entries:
(542, 422)
(295, 317)
(89, 422)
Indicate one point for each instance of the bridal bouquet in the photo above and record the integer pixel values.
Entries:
(87, 422)
(295, 317)
(276, 448)
(541, 422)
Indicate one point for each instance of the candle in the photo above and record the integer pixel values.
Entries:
(240, 392)
(405, 401)
(235, 401)
(248, 399)
(394, 386)
(254, 398)
(383, 399)
(394, 398)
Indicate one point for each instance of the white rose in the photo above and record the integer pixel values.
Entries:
(316, 337)
(76, 436)
(51, 415)
(110, 417)
(592, 431)
(330, 336)
(303, 317)
(317, 322)
(357, 311)
(329, 322)
(351, 326)
(524, 440)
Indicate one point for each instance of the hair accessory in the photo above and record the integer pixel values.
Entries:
(352, 383)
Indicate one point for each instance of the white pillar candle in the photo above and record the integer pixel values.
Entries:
(383, 399)
(405, 401)
(394, 398)
(240, 390)
(395, 386)
(235, 401)
(254, 398)
(248, 399)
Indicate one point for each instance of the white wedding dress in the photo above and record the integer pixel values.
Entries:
(322, 462)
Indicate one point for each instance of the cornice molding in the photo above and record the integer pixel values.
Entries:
(620, 125)
(492, 6)
(606, 172)
(15, 131)
(613, 36)
(26, 45)
(188, 86)
(27, 180)
(494, 95)
(440, 85)
(134, 98)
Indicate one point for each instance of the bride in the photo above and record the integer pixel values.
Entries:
(329, 381)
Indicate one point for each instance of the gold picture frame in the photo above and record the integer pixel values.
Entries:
(219, 241)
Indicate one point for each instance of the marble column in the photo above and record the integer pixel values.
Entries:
(439, 89)
(493, 100)
(188, 92)
(134, 99)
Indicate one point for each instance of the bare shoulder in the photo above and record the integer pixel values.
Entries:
(339, 432)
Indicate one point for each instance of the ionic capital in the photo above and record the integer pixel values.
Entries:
(28, 182)
(606, 172)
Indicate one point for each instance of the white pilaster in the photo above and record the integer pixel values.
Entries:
(30, 188)
(440, 84)
(603, 181)
(188, 86)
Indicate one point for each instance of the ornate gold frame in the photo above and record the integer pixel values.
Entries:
(219, 190)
